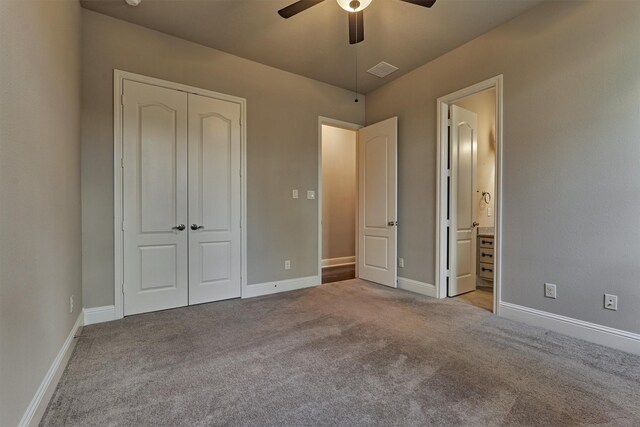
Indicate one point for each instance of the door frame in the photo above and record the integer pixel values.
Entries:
(343, 125)
(119, 77)
(442, 106)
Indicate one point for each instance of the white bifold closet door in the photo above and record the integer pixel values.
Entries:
(181, 198)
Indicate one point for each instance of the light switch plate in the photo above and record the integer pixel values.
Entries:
(287, 265)
(294, 194)
(401, 262)
(311, 194)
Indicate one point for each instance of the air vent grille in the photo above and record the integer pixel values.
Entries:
(382, 69)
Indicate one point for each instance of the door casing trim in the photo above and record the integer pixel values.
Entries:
(119, 77)
(442, 107)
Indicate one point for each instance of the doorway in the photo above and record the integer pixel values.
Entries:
(339, 203)
(469, 145)
(358, 205)
(179, 195)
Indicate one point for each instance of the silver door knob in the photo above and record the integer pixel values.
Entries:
(475, 224)
(195, 227)
(179, 227)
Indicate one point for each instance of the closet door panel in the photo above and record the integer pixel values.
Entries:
(214, 199)
(154, 198)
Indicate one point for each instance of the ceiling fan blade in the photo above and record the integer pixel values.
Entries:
(297, 7)
(356, 27)
(425, 3)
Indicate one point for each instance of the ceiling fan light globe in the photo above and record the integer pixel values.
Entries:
(346, 5)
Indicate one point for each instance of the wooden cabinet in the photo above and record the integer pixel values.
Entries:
(485, 259)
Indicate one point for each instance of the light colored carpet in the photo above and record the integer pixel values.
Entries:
(347, 353)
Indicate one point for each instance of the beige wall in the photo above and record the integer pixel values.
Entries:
(282, 144)
(484, 105)
(571, 176)
(338, 192)
(39, 192)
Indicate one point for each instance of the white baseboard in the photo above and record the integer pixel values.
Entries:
(603, 335)
(38, 405)
(280, 286)
(99, 314)
(335, 262)
(417, 287)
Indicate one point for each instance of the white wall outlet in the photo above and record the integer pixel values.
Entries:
(610, 302)
(488, 211)
(71, 304)
(311, 194)
(287, 264)
(294, 194)
(550, 290)
(401, 262)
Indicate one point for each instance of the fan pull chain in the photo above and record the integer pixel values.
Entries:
(356, 47)
(356, 100)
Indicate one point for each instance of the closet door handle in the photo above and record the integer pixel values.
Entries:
(195, 227)
(179, 227)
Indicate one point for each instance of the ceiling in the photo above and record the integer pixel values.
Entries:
(315, 43)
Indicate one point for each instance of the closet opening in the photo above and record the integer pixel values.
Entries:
(338, 201)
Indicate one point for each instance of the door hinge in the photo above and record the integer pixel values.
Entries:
(122, 162)
(122, 225)
(122, 99)
(123, 287)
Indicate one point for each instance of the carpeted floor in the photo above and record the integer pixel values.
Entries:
(348, 353)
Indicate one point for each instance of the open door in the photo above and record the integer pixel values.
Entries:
(378, 202)
(464, 158)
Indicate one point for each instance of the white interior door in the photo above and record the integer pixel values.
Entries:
(214, 199)
(154, 198)
(464, 158)
(377, 202)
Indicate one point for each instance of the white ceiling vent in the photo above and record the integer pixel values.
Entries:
(382, 69)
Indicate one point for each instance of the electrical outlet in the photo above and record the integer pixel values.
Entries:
(488, 211)
(287, 264)
(611, 302)
(550, 290)
(71, 304)
(311, 194)
(401, 262)
(294, 194)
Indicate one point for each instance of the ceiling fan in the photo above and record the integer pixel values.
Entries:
(355, 9)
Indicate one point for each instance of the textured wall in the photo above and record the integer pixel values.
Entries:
(282, 144)
(571, 176)
(484, 105)
(338, 192)
(39, 192)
